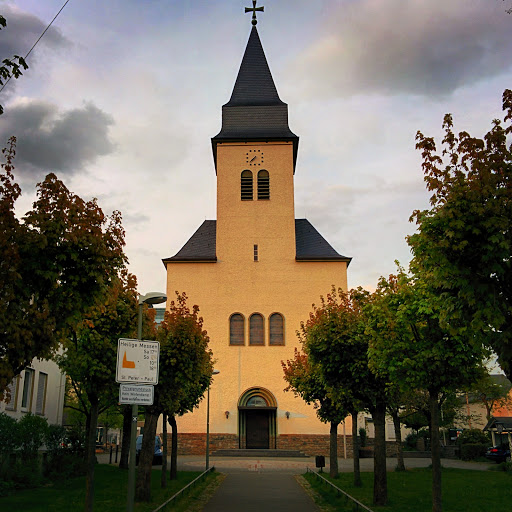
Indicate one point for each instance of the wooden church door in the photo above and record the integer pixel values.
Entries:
(257, 429)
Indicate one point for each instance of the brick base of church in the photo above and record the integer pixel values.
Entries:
(310, 444)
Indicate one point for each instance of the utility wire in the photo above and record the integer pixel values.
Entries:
(39, 39)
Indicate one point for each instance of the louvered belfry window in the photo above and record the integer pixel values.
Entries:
(276, 328)
(236, 329)
(256, 332)
(246, 186)
(263, 185)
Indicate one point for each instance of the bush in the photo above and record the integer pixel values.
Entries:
(411, 441)
(26, 473)
(64, 460)
(503, 466)
(32, 432)
(472, 451)
(362, 436)
(9, 440)
(473, 436)
(6, 488)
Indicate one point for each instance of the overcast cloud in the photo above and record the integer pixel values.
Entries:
(428, 48)
(50, 140)
(122, 98)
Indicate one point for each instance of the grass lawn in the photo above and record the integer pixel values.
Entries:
(410, 491)
(110, 493)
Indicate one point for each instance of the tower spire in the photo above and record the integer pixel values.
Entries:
(254, 9)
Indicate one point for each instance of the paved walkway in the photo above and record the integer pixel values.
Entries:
(256, 492)
(297, 466)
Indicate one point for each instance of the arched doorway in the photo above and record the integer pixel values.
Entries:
(257, 419)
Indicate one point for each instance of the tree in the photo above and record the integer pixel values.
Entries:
(335, 340)
(55, 264)
(305, 380)
(493, 391)
(185, 371)
(409, 345)
(11, 67)
(463, 244)
(90, 357)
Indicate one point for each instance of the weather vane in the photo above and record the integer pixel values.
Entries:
(254, 9)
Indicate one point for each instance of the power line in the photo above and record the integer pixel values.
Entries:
(38, 39)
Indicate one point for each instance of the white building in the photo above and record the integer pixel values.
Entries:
(39, 389)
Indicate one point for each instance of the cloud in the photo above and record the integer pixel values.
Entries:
(416, 47)
(52, 140)
(23, 30)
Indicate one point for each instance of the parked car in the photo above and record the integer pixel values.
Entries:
(499, 453)
(157, 456)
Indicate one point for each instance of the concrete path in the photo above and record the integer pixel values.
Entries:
(256, 492)
(297, 466)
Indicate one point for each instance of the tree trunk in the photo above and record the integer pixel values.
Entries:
(355, 449)
(435, 449)
(400, 466)
(163, 480)
(333, 449)
(91, 453)
(143, 486)
(125, 441)
(173, 473)
(380, 484)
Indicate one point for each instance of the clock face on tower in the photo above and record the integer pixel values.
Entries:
(254, 157)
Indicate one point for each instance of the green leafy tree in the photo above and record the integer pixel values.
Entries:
(55, 264)
(90, 356)
(410, 347)
(463, 244)
(305, 380)
(335, 340)
(10, 67)
(185, 371)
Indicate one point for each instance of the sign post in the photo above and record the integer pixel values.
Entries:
(137, 364)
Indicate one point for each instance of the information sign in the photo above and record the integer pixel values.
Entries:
(138, 394)
(137, 361)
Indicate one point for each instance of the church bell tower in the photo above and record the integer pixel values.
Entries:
(255, 154)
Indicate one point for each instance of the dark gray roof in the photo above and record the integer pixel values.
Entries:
(255, 112)
(254, 84)
(201, 245)
(506, 422)
(310, 245)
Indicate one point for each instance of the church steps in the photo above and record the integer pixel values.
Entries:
(260, 453)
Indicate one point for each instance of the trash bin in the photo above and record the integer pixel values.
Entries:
(320, 461)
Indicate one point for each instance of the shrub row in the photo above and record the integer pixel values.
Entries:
(32, 451)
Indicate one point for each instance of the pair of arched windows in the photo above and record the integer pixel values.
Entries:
(247, 186)
(256, 329)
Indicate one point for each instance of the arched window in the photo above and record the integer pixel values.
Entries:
(276, 329)
(246, 185)
(263, 185)
(257, 401)
(256, 332)
(236, 329)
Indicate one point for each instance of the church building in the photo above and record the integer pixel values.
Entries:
(254, 272)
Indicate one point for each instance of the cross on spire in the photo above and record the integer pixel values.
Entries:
(254, 9)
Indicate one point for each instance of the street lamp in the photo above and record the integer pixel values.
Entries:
(150, 298)
(215, 372)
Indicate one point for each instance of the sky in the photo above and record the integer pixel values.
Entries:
(121, 99)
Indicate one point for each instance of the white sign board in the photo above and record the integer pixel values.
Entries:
(136, 394)
(137, 361)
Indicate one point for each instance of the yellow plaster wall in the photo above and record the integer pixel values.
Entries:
(238, 284)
